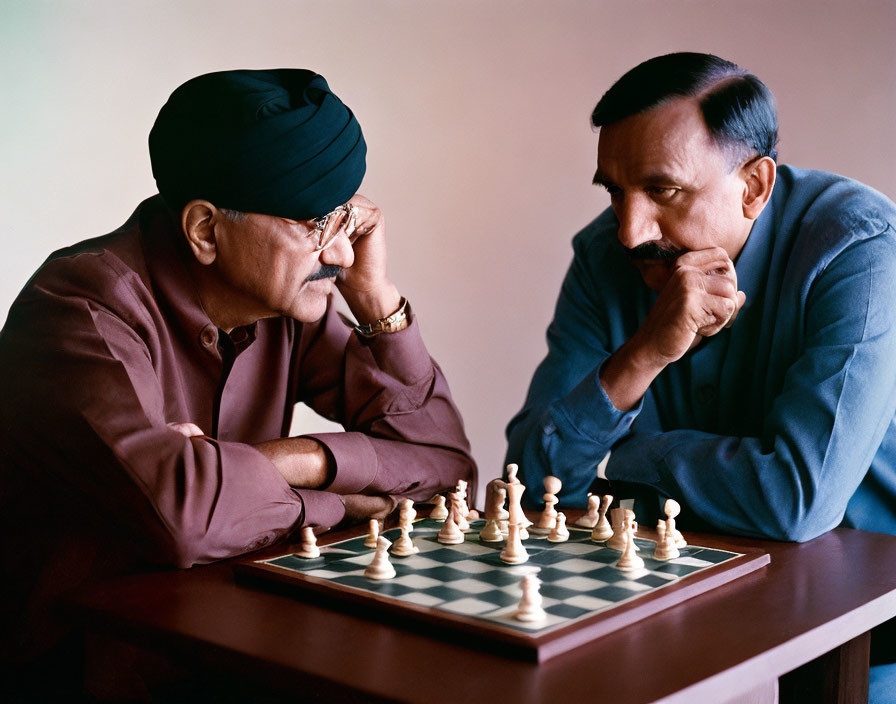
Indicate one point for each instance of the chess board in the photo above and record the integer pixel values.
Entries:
(466, 589)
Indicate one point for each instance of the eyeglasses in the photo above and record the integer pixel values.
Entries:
(327, 227)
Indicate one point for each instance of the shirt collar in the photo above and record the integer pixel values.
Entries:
(167, 261)
(752, 265)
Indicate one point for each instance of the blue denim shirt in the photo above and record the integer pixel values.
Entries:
(781, 426)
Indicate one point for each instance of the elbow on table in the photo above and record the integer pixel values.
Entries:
(803, 525)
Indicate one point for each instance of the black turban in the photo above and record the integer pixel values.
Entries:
(275, 142)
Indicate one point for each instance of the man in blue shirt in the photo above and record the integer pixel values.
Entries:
(726, 333)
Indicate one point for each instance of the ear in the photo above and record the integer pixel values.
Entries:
(759, 180)
(198, 220)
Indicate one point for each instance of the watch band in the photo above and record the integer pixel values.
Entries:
(399, 320)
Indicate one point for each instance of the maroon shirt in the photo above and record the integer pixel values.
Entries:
(108, 343)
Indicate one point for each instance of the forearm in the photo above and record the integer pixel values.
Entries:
(628, 373)
(303, 462)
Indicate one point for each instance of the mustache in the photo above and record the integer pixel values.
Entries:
(652, 251)
(326, 271)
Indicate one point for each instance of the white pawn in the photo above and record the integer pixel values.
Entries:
(672, 508)
(512, 470)
(439, 512)
(373, 532)
(404, 546)
(589, 520)
(514, 551)
(630, 560)
(492, 532)
(548, 518)
(560, 533)
(602, 528)
(407, 515)
(529, 609)
(380, 567)
(309, 547)
(617, 523)
(450, 534)
(665, 546)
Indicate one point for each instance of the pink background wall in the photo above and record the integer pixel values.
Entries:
(476, 114)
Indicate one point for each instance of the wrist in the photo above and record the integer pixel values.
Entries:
(373, 304)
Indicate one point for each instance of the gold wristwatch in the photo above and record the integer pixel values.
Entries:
(399, 320)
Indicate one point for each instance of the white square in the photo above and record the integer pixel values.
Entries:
(469, 548)
(421, 599)
(471, 566)
(426, 545)
(632, 586)
(579, 548)
(416, 562)
(592, 603)
(325, 574)
(468, 606)
(690, 561)
(364, 559)
(580, 584)
(471, 586)
(416, 581)
(576, 565)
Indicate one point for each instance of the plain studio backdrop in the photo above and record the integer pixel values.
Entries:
(476, 116)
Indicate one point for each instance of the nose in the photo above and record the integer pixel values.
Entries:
(340, 252)
(637, 221)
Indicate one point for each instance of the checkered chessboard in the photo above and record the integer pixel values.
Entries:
(578, 577)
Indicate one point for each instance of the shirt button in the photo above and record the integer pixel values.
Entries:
(209, 336)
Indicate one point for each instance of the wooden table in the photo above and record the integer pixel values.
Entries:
(814, 603)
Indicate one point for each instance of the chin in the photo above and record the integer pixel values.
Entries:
(655, 274)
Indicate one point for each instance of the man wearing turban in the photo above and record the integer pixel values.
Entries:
(149, 376)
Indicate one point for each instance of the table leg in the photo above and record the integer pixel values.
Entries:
(837, 677)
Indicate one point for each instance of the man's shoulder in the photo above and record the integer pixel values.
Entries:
(107, 270)
(827, 201)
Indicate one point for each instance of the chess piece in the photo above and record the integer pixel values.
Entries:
(450, 534)
(512, 470)
(548, 518)
(309, 547)
(617, 521)
(495, 496)
(373, 533)
(514, 551)
(560, 533)
(514, 495)
(461, 492)
(602, 528)
(672, 508)
(439, 511)
(457, 508)
(380, 567)
(406, 515)
(492, 532)
(404, 546)
(665, 546)
(630, 560)
(589, 520)
(529, 609)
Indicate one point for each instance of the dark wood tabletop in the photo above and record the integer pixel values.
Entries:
(816, 601)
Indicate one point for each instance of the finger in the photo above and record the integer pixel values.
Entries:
(741, 299)
(710, 261)
(716, 313)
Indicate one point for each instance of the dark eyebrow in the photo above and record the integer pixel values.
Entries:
(658, 178)
(599, 179)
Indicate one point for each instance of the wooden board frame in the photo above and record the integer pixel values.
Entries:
(489, 635)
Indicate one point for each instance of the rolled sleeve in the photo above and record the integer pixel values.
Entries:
(355, 460)
(321, 508)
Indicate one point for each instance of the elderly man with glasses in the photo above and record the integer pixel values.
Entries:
(149, 375)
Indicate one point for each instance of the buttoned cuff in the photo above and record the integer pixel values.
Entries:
(355, 459)
(321, 508)
(589, 411)
(402, 355)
